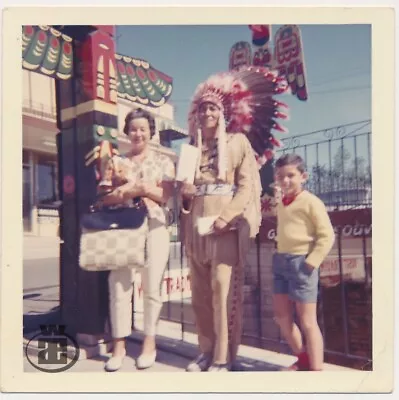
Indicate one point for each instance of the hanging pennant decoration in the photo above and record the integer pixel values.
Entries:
(289, 59)
(240, 55)
(261, 43)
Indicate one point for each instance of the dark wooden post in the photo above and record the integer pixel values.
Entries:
(87, 121)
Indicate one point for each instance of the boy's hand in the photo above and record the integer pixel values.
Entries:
(309, 267)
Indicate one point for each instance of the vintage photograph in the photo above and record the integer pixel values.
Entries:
(198, 198)
(108, 105)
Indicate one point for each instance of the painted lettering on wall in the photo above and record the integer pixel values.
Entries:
(176, 285)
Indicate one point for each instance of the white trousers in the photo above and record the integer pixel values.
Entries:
(121, 285)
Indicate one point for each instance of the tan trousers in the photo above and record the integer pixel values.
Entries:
(121, 287)
(217, 295)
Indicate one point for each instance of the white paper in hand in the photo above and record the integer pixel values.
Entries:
(205, 225)
(187, 164)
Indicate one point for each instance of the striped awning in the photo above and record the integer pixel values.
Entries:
(50, 52)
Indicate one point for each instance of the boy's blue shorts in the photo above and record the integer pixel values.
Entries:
(293, 277)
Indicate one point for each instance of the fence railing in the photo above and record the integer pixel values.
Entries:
(338, 162)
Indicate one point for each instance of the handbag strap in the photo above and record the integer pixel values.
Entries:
(138, 203)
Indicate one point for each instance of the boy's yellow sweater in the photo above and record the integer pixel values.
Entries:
(304, 227)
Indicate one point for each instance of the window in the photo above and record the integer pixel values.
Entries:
(26, 204)
(47, 189)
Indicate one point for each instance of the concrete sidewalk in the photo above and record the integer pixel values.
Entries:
(166, 362)
(173, 353)
(39, 247)
(249, 358)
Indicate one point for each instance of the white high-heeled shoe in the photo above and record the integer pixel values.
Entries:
(146, 360)
(114, 362)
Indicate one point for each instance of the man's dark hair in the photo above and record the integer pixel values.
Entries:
(139, 113)
(291, 159)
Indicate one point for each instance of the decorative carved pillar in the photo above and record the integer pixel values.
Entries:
(87, 120)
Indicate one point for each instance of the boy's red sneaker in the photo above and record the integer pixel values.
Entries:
(302, 364)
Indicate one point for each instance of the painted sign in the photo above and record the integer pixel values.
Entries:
(351, 265)
(240, 55)
(289, 59)
(261, 45)
(176, 285)
(350, 223)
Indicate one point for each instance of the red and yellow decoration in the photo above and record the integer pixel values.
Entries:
(289, 59)
(240, 56)
(260, 41)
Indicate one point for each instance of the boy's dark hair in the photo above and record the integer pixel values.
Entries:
(139, 113)
(291, 159)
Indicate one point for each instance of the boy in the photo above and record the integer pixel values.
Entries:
(304, 238)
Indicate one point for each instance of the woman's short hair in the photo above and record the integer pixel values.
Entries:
(139, 113)
(291, 159)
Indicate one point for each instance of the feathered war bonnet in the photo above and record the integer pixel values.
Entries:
(246, 100)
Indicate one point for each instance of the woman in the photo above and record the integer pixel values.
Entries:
(227, 188)
(147, 176)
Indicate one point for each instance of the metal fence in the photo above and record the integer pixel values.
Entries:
(338, 161)
(345, 301)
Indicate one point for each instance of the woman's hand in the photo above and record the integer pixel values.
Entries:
(113, 198)
(133, 189)
(142, 188)
(146, 190)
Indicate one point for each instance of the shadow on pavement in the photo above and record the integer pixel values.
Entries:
(32, 322)
(185, 352)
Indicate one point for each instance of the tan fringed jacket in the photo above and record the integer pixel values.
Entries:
(241, 209)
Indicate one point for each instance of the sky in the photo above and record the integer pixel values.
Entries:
(337, 60)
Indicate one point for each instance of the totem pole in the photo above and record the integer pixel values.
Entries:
(87, 121)
(287, 58)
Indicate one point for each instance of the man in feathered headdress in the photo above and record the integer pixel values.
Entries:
(230, 120)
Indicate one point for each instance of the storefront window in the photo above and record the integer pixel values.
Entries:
(47, 190)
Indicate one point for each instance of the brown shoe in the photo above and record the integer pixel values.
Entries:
(200, 364)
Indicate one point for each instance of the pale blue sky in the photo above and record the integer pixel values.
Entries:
(337, 59)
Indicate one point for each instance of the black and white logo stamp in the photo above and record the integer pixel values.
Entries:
(52, 350)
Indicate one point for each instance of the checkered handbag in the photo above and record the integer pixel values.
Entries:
(113, 238)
